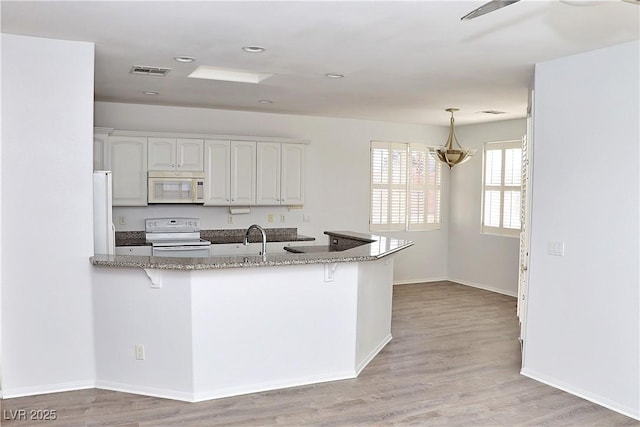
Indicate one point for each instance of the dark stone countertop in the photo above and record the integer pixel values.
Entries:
(219, 237)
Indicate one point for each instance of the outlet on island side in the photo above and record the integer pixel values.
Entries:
(139, 352)
(270, 218)
(283, 218)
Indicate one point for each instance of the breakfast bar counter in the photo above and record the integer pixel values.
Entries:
(344, 246)
(194, 329)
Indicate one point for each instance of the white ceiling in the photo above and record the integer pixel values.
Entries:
(402, 61)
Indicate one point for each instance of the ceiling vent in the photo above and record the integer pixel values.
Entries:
(149, 71)
(492, 112)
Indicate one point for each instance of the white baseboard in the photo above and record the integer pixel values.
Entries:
(145, 391)
(416, 281)
(485, 287)
(200, 396)
(591, 397)
(373, 353)
(9, 393)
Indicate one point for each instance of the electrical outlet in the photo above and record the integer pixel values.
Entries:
(283, 218)
(270, 218)
(230, 219)
(139, 352)
(122, 220)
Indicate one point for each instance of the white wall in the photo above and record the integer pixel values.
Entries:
(476, 259)
(337, 185)
(47, 228)
(583, 322)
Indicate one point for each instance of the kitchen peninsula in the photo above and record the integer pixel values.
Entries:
(201, 328)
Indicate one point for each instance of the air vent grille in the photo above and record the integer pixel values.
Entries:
(149, 71)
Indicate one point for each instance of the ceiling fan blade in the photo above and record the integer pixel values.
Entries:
(487, 7)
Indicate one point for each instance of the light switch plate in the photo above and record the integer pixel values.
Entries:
(555, 248)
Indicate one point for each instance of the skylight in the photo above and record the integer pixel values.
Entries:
(224, 74)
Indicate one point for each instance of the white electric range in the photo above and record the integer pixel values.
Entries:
(176, 237)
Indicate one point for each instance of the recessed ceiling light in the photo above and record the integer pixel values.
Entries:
(225, 74)
(265, 101)
(334, 75)
(151, 92)
(253, 49)
(184, 59)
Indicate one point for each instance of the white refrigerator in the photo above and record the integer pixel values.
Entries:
(104, 234)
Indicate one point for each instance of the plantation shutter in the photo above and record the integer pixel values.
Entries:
(502, 187)
(424, 189)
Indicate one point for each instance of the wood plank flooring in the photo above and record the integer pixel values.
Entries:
(454, 361)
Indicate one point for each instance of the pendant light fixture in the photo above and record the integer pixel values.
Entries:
(448, 153)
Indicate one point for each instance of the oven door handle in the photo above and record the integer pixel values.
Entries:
(178, 248)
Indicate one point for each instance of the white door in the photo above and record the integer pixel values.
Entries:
(128, 157)
(189, 155)
(268, 173)
(217, 173)
(162, 154)
(243, 173)
(293, 170)
(525, 216)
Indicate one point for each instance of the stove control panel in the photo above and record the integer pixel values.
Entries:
(172, 225)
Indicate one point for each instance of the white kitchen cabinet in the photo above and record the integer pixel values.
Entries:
(175, 154)
(101, 148)
(268, 168)
(243, 173)
(128, 161)
(230, 173)
(280, 174)
(134, 250)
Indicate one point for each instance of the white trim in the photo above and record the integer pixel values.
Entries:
(8, 393)
(145, 391)
(373, 353)
(200, 396)
(485, 287)
(420, 281)
(119, 132)
(591, 397)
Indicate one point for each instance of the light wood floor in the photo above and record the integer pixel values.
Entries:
(454, 361)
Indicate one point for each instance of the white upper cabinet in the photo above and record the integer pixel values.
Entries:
(101, 149)
(268, 173)
(128, 158)
(243, 173)
(217, 172)
(176, 155)
(230, 173)
(292, 174)
(280, 173)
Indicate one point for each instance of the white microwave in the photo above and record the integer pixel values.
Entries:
(170, 187)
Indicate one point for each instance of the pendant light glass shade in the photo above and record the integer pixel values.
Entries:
(452, 152)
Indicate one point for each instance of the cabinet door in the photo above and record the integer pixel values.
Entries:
(100, 150)
(189, 154)
(268, 173)
(217, 173)
(243, 173)
(134, 250)
(292, 174)
(162, 154)
(129, 166)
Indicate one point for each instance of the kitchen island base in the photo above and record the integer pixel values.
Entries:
(207, 334)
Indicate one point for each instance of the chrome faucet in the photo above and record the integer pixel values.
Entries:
(264, 239)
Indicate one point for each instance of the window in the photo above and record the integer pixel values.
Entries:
(405, 187)
(502, 188)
